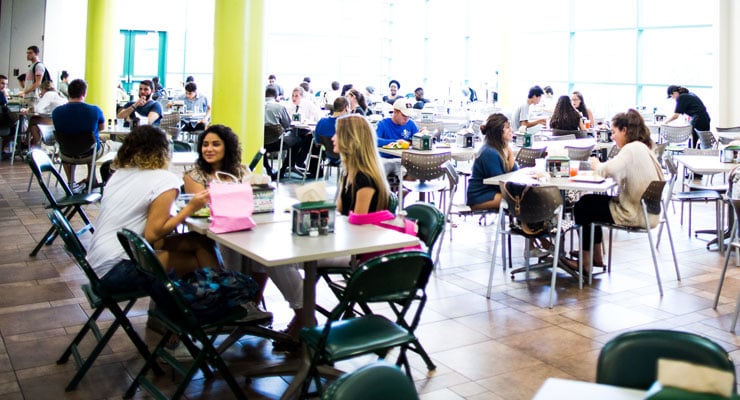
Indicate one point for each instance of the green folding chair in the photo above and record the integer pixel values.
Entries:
(100, 300)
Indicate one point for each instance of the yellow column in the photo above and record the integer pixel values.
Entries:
(238, 54)
(100, 73)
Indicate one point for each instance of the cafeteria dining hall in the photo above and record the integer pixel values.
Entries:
(407, 199)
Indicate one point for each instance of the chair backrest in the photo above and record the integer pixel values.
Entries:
(706, 139)
(392, 203)
(453, 177)
(614, 150)
(391, 277)
(676, 134)
(256, 159)
(659, 150)
(47, 134)
(328, 146)
(429, 221)
(424, 166)
(565, 132)
(729, 129)
(76, 144)
(701, 152)
(139, 251)
(73, 245)
(41, 164)
(561, 137)
(579, 153)
(181, 147)
(531, 204)
(653, 197)
(273, 133)
(372, 382)
(526, 156)
(170, 123)
(630, 359)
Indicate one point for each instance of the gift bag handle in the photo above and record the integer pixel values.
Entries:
(217, 179)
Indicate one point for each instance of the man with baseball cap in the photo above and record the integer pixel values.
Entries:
(399, 125)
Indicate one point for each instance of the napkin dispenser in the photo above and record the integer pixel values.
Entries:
(264, 198)
(730, 154)
(427, 116)
(604, 135)
(313, 218)
(421, 141)
(558, 166)
(464, 139)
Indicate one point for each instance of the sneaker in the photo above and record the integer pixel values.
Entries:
(535, 252)
(256, 315)
(179, 352)
(78, 188)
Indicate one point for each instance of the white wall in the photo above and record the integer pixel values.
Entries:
(728, 85)
(22, 25)
(65, 33)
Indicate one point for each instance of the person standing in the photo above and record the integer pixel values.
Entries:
(33, 77)
(63, 84)
(690, 104)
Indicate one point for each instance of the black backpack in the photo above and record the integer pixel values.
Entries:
(46, 77)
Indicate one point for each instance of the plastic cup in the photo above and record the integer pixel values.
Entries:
(574, 165)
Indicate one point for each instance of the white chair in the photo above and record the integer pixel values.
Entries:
(652, 203)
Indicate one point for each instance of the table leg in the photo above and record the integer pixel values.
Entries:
(309, 292)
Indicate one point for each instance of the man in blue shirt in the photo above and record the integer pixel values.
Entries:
(144, 106)
(399, 125)
(78, 117)
(327, 126)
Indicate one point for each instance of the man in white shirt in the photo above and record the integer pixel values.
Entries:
(50, 99)
(302, 110)
(522, 114)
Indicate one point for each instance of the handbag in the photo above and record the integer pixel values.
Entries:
(384, 219)
(232, 204)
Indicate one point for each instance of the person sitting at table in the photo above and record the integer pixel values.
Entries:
(277, 114)
(357, 102)
(566, 117)
(397, 126)
(494, 158)
(49, 100)
(633, 168)
(139, 197)
(522, 114)
(79, 117)
(420, 100)
(219, 151)
(363, 187)
(393, 86)
(577, 99)
(332, 94)
(144, 106)
(300, 109)
(327, 126)
(195, 103)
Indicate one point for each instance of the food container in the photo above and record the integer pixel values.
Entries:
(730, 154)
(314, 218)
(558, 166)
(421, 141)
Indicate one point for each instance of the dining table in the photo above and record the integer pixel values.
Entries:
(456, 153)
(585, 181)
(568, 389)
(709, 165)
(274, 244)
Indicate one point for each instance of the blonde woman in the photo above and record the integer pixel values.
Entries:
(363, 187)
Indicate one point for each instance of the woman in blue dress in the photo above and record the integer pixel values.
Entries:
(494, 158)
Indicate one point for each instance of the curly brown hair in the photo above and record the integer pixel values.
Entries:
(146, 147)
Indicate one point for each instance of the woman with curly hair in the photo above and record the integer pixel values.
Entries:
(139, 197)
(565, 116)
(219, 151)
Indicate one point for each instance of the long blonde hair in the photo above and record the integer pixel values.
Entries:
(356, 142)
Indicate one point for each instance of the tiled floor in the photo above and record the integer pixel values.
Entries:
(502, 348)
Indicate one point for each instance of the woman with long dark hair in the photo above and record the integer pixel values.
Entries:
(494, 158)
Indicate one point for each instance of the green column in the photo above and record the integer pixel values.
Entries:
(238, 54)
(100, 72)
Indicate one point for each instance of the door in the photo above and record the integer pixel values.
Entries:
(144, 56)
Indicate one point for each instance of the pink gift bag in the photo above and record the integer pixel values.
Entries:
(232, 204)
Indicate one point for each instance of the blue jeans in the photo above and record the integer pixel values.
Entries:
(125, 277)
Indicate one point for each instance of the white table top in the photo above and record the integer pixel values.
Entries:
(559, 145)
(526, 176)
(565, 389)
(704, 164)
(274, 244)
